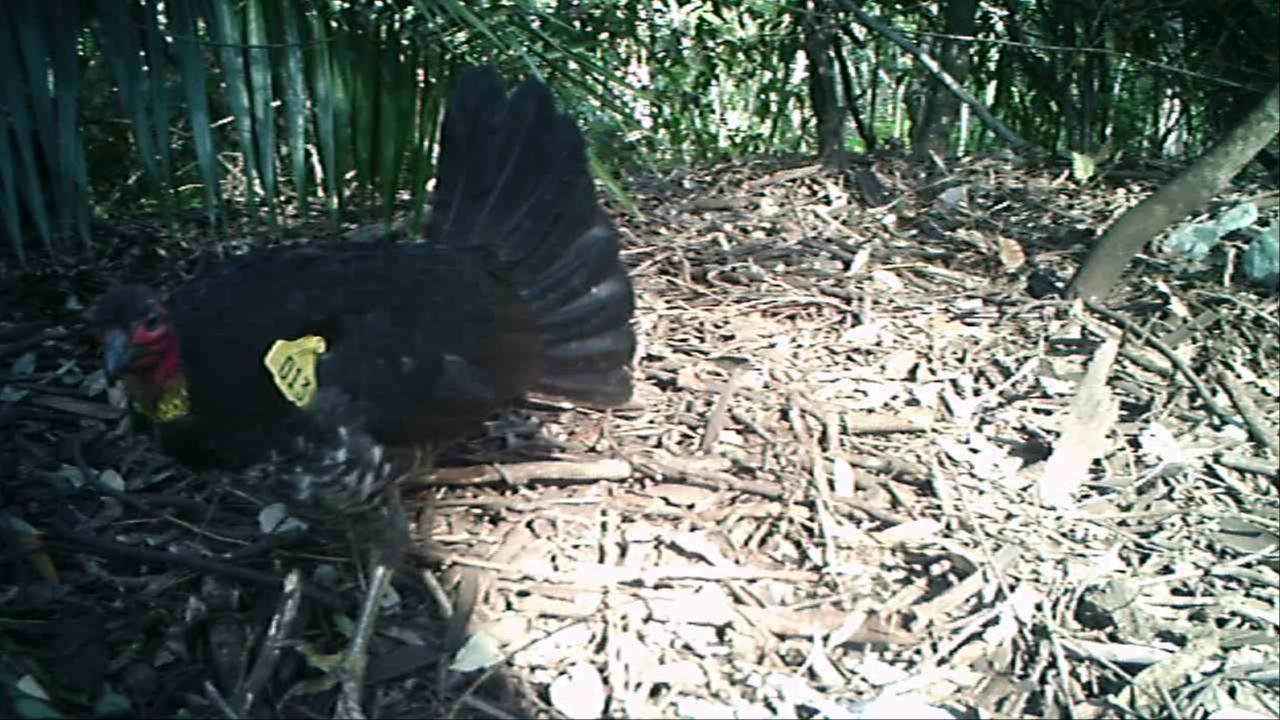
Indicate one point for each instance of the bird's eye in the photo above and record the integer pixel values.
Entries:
(152, 323)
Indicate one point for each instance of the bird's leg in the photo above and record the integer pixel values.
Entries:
(388, 534)
(357, 659)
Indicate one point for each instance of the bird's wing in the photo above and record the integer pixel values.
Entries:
(421, 340)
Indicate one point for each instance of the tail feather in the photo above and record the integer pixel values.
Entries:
(513, 180)
(512, 175)
(606, 388)
(606, 308)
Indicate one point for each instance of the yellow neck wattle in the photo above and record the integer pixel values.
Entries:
(172, 402)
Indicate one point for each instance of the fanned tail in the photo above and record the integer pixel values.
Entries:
(513, 179)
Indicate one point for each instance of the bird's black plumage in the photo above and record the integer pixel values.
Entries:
(517, 288)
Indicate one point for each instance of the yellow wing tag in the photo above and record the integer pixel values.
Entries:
(292, 364)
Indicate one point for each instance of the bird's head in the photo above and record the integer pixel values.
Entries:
(138, 340)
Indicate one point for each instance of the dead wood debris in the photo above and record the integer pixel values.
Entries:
(824, 500)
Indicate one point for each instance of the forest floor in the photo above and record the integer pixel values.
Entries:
(866, 473)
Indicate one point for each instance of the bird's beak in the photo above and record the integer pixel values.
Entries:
(117, 354)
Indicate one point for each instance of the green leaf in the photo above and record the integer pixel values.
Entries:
(261, 97)
(321, 84)
(25, 185)
(295, 102)
(73, 195)
(226, 33)
(1083, 166)
(195, 85)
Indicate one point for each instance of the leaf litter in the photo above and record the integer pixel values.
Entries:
(865, 474)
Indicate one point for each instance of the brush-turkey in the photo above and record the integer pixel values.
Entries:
(303, 361)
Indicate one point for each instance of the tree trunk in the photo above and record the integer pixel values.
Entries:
(856, 113)
(942, 108)
(822, 87)
(1185, 194)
